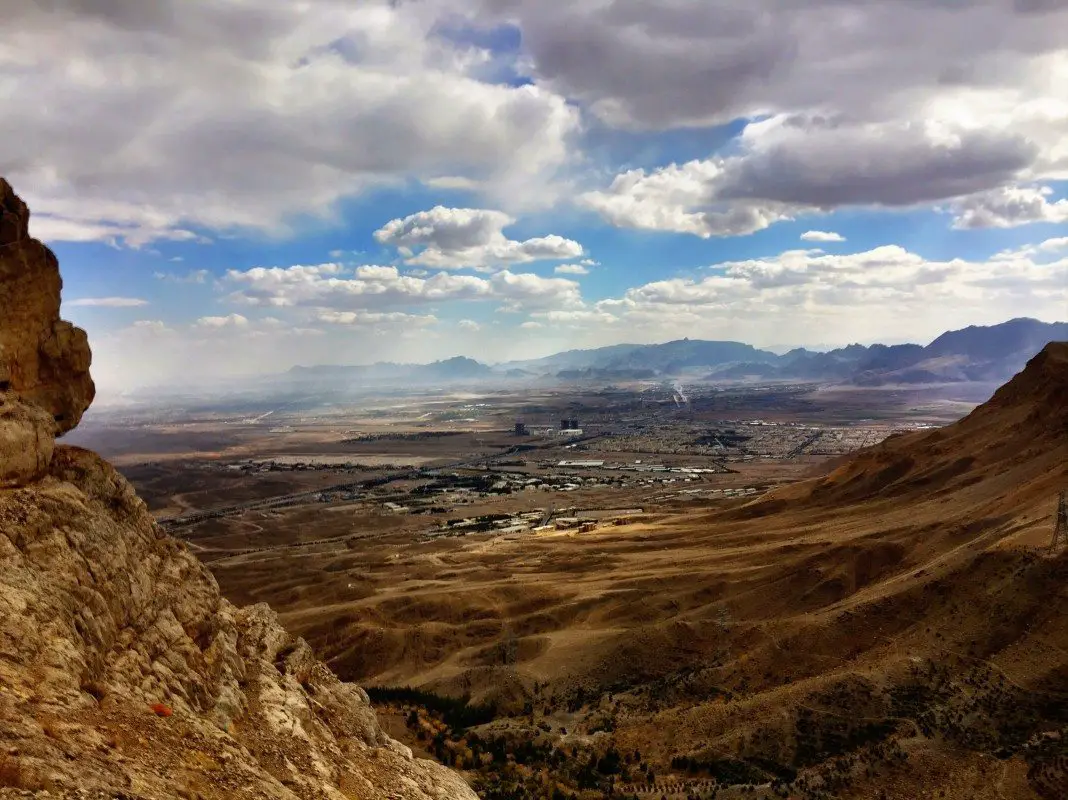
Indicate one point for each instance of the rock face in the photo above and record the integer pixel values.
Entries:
(44, 360)
(123, 672)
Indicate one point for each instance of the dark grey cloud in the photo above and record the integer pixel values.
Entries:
(657, 64)
(896, 165)
(1009, 207)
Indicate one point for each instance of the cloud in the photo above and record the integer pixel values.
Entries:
(1045, 249)
(229, 321)
(193, 276)
(866, 295)
(674, 198)
(55, 228)
(313, 103)
(1055, 244)
(822, 236)
(223, 115)
(526, 290)
(369, 318)
(661, 64)
(451, 238)
(530, 325)
(154, 326)
(577, 317)
(571, 269)
(788, 166)
(326, 286)
(107, 302)
(376, 287)
(454, 183)
(1009, 207)
(468, 325)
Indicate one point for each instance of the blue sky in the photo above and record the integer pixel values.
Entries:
(234, 191)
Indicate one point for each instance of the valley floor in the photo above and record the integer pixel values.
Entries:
(895, 629)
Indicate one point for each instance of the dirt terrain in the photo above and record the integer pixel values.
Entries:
(886, 624)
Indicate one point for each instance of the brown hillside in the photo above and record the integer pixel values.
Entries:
(1017, 437)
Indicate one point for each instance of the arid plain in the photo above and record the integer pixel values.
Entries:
(695, 596)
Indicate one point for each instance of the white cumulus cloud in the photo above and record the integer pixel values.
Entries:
(449, 238)
(229, 321)
(368, 318)
(822, 236)
(377, 287)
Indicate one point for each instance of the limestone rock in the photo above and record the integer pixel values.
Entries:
(43, 360)
(123, 671)
(26, 442)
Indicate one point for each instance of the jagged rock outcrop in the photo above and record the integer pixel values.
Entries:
(123, 671)
(44, 360)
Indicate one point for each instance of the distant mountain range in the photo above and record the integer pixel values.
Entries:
(458, 368)
(977, 353)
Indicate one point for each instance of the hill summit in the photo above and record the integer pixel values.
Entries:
(124, 673)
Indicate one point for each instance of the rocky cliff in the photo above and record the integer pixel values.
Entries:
(123, 672)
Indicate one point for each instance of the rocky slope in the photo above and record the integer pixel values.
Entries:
(123, 672)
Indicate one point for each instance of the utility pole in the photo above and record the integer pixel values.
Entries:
(1060, 527)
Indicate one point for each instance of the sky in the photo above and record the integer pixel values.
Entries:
(235, 187)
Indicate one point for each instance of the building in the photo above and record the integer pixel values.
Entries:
(521, 429)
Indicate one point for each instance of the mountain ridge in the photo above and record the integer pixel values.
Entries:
(990, 353)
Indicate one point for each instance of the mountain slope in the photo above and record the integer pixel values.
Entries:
(1022, 430)
(124, 673)
(665, 358)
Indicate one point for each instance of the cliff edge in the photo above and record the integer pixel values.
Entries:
(123, 671)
